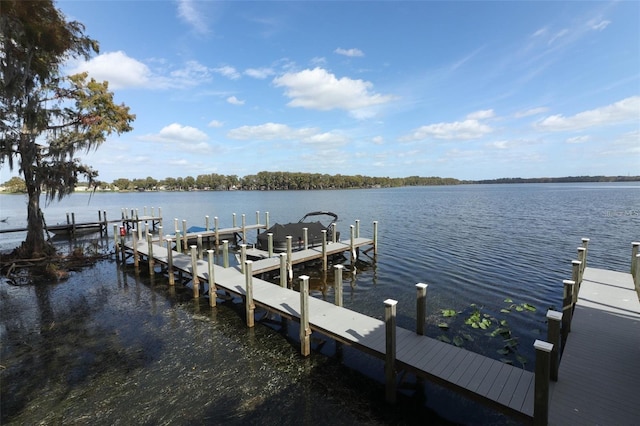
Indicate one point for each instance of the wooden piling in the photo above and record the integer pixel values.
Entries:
(567, 308)
(136, 256)
(636, 278)
(289, 257)
(150, 259)
(248, 299)
(390, 346)
(635, 249)
(225, 253)
(185, 238)
(175, 225)
(178, 242)
(305, 236)
(206, 223)
(585, 244)
(421, 307)
(305, 330)
(541, 393)
(266, 220)
(160, 234)
(170, 261)
(338, 284)
(115, 241)
(577, 278)
(194, 272)
(233, 222)
(211, 278)
(375, 237)
(199, 245)
(73, 224)
(334, 232)
(554, 319)
(325, 263)
(352, 244)
(283, 270)
(244, 228)
(243, 257)
(582, 255)
(270, 244)
(216, 228)
(357, 228)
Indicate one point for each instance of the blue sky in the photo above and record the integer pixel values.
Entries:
(470, 90)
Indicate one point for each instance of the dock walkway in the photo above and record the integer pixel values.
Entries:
(599, 375)
(499, 385)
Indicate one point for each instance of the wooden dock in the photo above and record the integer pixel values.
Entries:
(597, 381)
(599, 375)
(504, 387)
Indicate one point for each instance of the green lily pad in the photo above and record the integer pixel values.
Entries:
(444, 339)
(443, 325)
(449, 313)
(458, 341)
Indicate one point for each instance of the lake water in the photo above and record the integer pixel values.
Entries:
(502, 250)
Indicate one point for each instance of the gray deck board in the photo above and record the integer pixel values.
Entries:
(425, 356)
(599, 375)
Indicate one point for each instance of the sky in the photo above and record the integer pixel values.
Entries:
(469, 90)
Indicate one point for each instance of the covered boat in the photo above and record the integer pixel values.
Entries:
(296, 230)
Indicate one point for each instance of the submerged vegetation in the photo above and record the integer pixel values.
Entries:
(474, 324)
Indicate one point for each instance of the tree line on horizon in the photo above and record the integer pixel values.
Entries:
(271, 181)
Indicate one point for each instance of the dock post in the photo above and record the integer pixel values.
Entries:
(567, 308)
(150, 259)
(390, 358)
(257, 223)
(353, 247)
(338, 284)
(211, 279)
(175, 225)
(73, 224)
(585, 244)
(160, 216)
(172, 280)
(244, 228)
(248, 299)
(541, 393)
(283, 270)
(225, 253)
(185, 238)
(178, 242)
(266, 220)
(375, 237)
(146, 229)
(421, 307)
(270, 244)
(357, 228)
(324, 250)
(553, 335)
(289, 257)
(233, 222)
(160, 234)
(243, 257)
(636, 279)
(305, 330)
(334, 232)
(115, 240)
(215, 228)
(206, 223)
(138, 225)
(577, 278)
(305, 235)
(199, 243)
(582, 256)
(194, 272)
(136, 257)
(635, 248)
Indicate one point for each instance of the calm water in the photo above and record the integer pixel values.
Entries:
(160, 358)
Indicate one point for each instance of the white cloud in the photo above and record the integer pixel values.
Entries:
(234, 101)
(378, 140)
(122, 72)
(228, 71)
(578, 139)
(352, 53)
(118, 69)
(259, 73)
(457, 130)
(318, 89)
(282, 132)
(558, 35)
(598, 25)
(481, 115)
(188, 11)
(215, 123)
(530, 112)
(270, 131)
(625, 110)
(177, 133)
